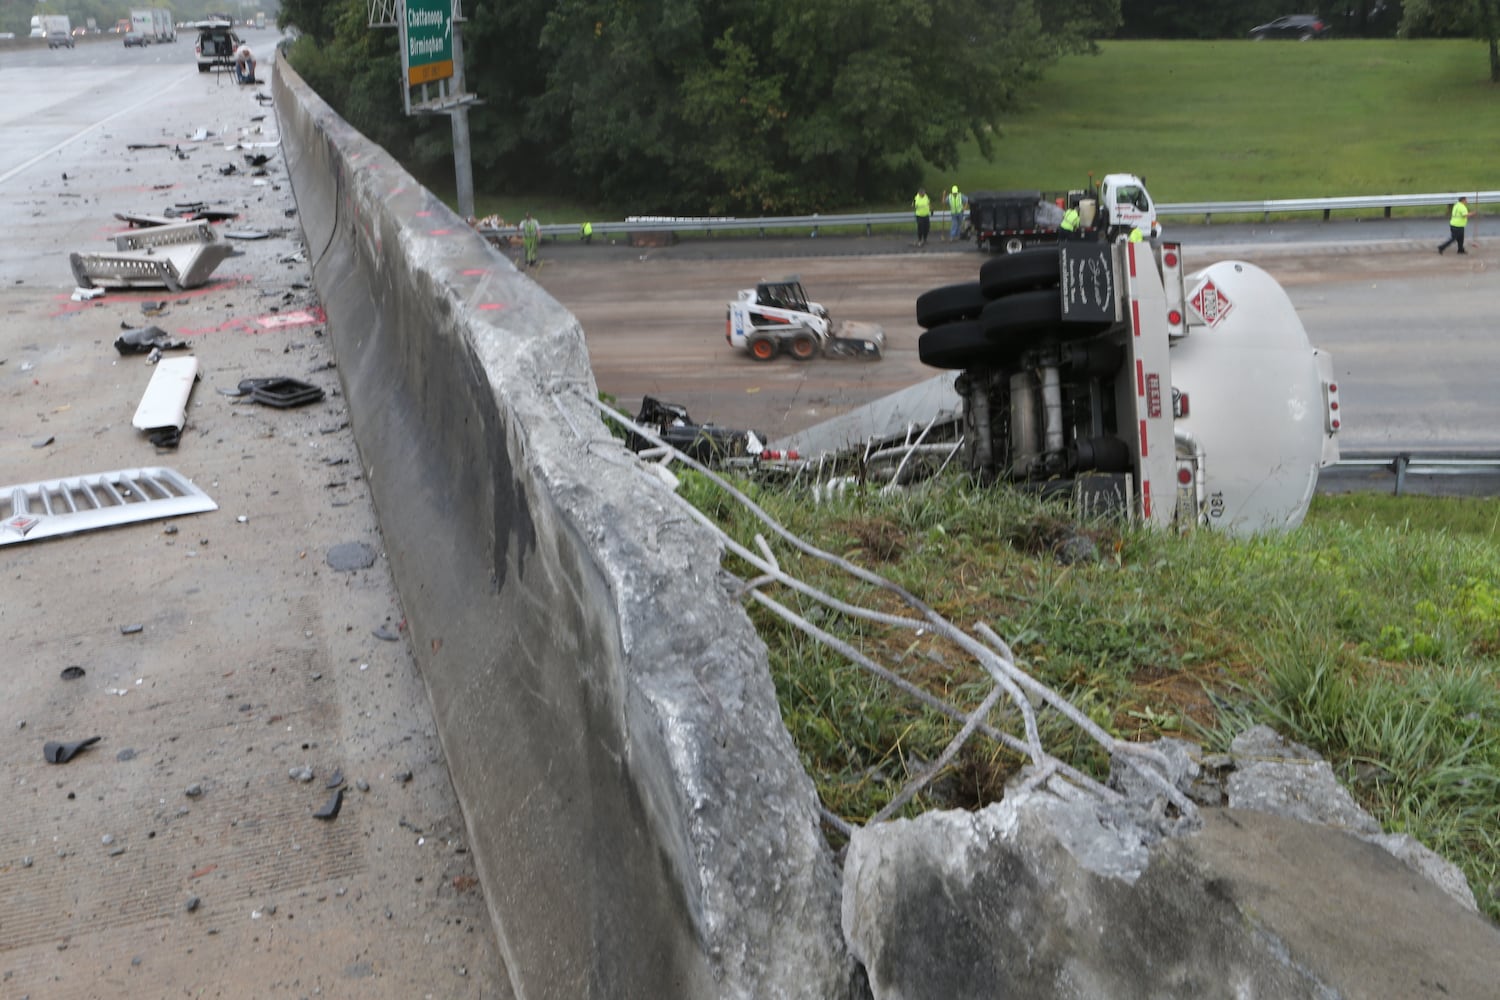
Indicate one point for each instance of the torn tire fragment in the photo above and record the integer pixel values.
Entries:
(61, 753)
(331, 808)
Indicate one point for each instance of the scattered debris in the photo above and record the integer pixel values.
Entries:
(127, 754)
(331, 808)
(705, 443)
(167, 234)
(257, 159)
(193, 791)
(245, 234)
(144, 340)
(349, 556)
(192, 904)
(146, 145)
(386, 633)
(302, 774)
(86, 294)
(284, 392)
(82, 503)
(72, 673)
(335, 779)
(61, 753)
(43, 442)
(164, 404)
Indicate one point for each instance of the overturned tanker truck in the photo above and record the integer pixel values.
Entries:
(1107, 373)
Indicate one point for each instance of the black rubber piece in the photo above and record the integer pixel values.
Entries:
(61, 753)
(949, 304)
(960, 345)
(1037, 267)
(330, 809)
(282, 392)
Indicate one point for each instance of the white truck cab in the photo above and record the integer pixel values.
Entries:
(1125, 204)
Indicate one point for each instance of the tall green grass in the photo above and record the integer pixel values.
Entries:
(1219, 120)
(1227, 120)
(1372, 634)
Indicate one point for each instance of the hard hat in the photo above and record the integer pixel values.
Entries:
(955, 189)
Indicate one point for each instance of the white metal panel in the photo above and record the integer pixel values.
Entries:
(165, 401)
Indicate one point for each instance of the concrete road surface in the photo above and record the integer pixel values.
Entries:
(220, 657)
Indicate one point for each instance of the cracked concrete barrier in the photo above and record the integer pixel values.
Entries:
(639, 816)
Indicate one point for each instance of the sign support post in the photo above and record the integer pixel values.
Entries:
(432, 74)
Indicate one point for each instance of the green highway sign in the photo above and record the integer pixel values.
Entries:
(427, 41)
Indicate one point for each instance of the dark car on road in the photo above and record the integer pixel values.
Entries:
(135, 38)
(1303, 27)
(59, 39)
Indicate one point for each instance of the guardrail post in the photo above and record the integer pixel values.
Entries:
(1387, 211)
(1398, 466)
(1326, 213)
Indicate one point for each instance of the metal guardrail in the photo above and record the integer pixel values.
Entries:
(813, 224)
(1405, 464)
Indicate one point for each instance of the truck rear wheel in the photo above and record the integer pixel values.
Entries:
(762, 348)
(1015, 245)
(1035, 268)
(961, 345)
(949, 304)
(804, 347)
(1025, 318)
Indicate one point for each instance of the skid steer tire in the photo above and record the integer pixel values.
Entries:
(949, 304)
(761, 347)
(960, 345)
(1038, 267)
(803, 347)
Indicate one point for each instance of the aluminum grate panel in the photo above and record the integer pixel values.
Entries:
(47, 509)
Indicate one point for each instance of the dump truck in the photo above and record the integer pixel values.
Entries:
(1106, 373)
(1011, 221)
(775, 317)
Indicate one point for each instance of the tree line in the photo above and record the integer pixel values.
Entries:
(756, 107)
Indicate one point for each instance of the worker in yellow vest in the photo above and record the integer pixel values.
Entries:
(955, 213)
(1458, 221)
(586, 232)
(1070, 223)
(921, 206)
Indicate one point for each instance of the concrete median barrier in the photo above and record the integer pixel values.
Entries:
(641, 822)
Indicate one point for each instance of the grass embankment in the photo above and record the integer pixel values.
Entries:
(1371, 634)
(1219, 121)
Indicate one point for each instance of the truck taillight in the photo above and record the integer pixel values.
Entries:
(1334, 418)
(1171, 277)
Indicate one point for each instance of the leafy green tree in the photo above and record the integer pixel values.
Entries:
(783, 105)
(1475, 18)
(710, 105)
